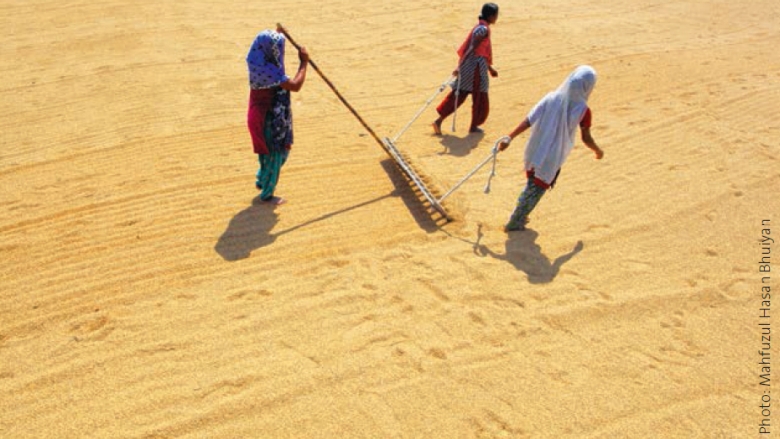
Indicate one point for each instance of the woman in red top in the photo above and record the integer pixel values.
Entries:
(476, 62)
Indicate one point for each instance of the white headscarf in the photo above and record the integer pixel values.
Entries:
(554, 122)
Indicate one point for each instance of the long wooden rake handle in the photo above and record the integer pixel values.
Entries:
(333, 87)
(389, 148)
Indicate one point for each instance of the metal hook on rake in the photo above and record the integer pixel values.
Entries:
(505, 139)
(493, 155)
(422, 109)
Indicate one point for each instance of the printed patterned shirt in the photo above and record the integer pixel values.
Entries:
(472, 65)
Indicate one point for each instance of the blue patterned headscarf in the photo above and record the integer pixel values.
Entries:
(265, 60)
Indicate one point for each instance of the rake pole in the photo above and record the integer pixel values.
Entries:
(335, 90)
(387, 145)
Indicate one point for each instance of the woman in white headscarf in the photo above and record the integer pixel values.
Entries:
(554, 121)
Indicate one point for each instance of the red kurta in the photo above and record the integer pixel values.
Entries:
(260, 101)
(483, 49)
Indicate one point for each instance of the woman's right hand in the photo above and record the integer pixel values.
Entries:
(303, 55)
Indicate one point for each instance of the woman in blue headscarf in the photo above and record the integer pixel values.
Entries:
(269, 117)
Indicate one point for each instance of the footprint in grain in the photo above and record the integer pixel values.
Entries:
(92, 327)
(636, 266)
(737, 288)
(437, 353)
(339, 263)
(477, 319)
(438, 292)
(674, 321)
(250, 295)
(492, 425)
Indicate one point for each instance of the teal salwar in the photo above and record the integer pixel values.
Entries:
(525, 204)
(277, 136)
(270, 169)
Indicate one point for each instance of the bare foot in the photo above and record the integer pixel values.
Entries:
(436, 127)
(275, 201)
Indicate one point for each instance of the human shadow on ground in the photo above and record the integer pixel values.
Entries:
(252, 228)
(522, 251)
(460, 146)
(249, 230)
